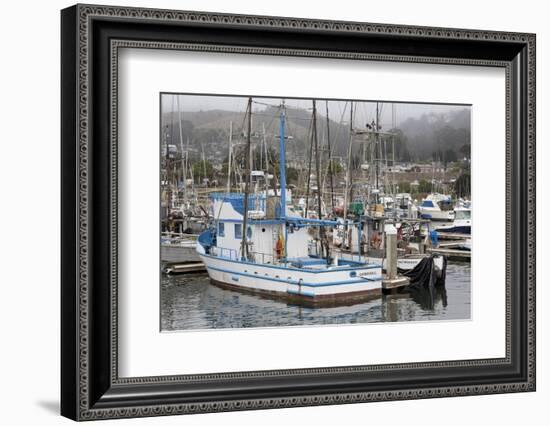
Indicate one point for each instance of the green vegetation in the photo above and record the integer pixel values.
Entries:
(462, 185)
(202, 169)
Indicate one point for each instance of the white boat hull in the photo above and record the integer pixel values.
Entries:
(436, 214)
(315, 286)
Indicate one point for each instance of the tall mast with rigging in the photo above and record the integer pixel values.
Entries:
(282, 171)
(248, 176)
(318, 179)
(229, 155)
(348, 171)
(329, 159)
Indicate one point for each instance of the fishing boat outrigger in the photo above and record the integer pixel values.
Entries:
(257, 244)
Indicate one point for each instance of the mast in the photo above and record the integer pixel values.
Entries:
(309, 173)
(282, 163)
(266, 163)
(229, 157)
(318, 173)
(248, 175)
(181, 144)
(348, 174)
(329, 159)
(377, 136)
(282, 170)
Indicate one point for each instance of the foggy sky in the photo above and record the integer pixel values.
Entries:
(339, 111)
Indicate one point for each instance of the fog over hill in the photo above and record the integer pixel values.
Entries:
(422, 132)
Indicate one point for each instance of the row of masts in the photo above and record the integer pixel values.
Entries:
(236, 177)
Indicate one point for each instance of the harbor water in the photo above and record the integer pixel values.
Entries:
(191, 302)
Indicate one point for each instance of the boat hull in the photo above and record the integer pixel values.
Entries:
(436, 215)
(293, 285)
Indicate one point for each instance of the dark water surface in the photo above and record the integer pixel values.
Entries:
(191, 302)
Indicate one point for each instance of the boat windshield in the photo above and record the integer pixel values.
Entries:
(463, 214)
(445, 205)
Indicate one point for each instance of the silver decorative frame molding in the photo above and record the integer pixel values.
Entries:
(88, 404)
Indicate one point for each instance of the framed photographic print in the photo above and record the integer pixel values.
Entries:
(263, 212)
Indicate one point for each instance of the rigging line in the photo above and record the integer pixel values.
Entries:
(263, 103)
(290, 116)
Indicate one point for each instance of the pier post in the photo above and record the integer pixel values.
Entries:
(392, 281)
(391, 252)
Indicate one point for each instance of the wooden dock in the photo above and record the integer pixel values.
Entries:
(451, 253)
(185, 268)
(395, 283)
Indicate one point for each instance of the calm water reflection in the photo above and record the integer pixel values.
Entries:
(191, 302)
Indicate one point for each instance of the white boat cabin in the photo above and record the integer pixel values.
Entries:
(265, 233)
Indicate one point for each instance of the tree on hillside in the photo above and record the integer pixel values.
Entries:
(202, 169)
(462, 185)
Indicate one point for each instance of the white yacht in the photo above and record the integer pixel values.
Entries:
(437, 207)
(462, 223)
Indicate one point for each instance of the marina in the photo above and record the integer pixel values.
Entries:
(342, 234)
(192, 302)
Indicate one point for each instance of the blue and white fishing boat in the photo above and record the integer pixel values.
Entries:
(258, 244)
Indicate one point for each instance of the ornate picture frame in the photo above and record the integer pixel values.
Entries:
(90, 39)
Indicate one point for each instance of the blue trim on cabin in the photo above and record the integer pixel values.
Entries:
(312, 271)
(236, 200)
(299, 283)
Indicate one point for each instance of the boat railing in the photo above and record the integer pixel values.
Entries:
(179, 235)
(264, 258)
(228, 253)
(253, 256)
(351, 257)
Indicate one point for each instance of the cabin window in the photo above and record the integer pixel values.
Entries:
(248, 232)
(221, 229)
(238, 230)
